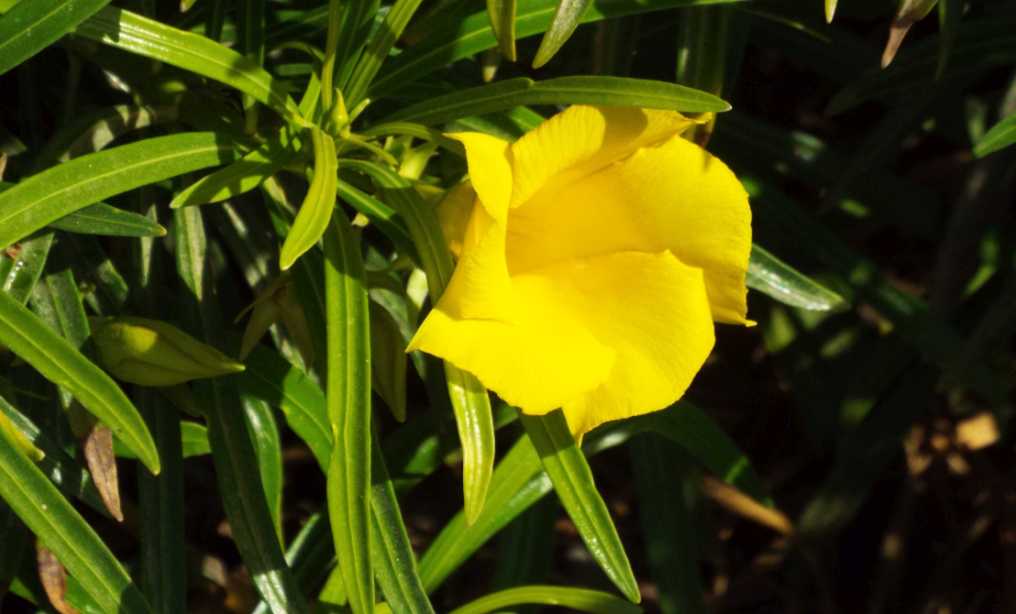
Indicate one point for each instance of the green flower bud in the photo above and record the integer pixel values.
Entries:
(153, 353)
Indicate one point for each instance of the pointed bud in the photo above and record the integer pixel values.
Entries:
(338, 116)
(153, 353)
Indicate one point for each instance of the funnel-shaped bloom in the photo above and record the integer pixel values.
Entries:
(153, 353)
(594, 255)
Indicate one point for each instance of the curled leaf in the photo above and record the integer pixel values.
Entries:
(53, 578)
(101, 461)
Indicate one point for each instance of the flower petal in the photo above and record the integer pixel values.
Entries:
(454, 212)
(674, 196)
(538, 361)
(480, 287)
(652, 311)
(582, 139)
(490, 170)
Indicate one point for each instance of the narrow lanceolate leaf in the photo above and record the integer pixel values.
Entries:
(576, 599)
(56, 192)
(64, 365)
(518, 483)
(30, 27)
(773, 277)
(348, 401)
(106, 220)
(22, 266)
(666, 480)
(239, 177)
(270, 377)
(161, 502)
(393, 558)
(948, 21)
(566, 465)
(700, 436)
(316, 210)
(377, 50)
(469, 398)
(136, 34)
(1001, 135)
(502, 20)
(457, 39)
(61, 529)
(566, 18)
(608, 91)
(229, 434)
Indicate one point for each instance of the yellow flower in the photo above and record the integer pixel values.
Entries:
(594, 255)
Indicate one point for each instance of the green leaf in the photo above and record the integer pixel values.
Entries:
(609, 91)
(58, 191)
(578, 599)
(690, 428)
(270, 377)
(238, 178)
(518, 483)
(978, 46)
(229, 432)
(1001, 135)
(303, 403)
(64, 365)
(567, 17)
(161, 501)
(502, 21)
(59, 526)
(456, 39)
(388, 360)
(194, 53)
(383, 216)
(315, 212)
(103, 219)
(777, 279)
(348, 402)
(377, 50)
(573, 481)
(392, 554)
(470, 402)
(268, 448)
(356, 18)
(949, 12)
(60, 467)
(20, 273)
(30, 27)
(663, 478)
(245, 501)
(91, 132)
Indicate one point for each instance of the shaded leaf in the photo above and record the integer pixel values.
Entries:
(566, 18)
(30, 27)
(606, 91)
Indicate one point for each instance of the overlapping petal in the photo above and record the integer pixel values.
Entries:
(480, 287)
(490, 171)
(582, 139)
(673, 196)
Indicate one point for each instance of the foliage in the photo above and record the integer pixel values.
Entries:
(169, 166)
